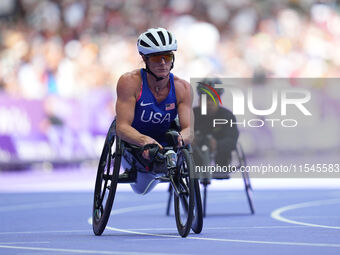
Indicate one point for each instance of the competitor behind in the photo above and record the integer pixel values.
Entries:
(218, 142)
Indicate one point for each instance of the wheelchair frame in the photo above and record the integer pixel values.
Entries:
(187, 199)
(204, 181)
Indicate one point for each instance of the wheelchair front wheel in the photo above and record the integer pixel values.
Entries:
(106, 184)
(184, 202)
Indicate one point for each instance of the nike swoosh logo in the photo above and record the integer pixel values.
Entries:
(144, 104)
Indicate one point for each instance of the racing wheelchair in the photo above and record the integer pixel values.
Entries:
(237, 162)
(177, 171)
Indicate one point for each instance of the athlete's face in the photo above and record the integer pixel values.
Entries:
(160, 64)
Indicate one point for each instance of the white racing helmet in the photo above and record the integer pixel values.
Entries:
(156, 40)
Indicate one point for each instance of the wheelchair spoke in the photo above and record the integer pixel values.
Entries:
(104, 187)
(184, 203)
(107, 177)
(184, 187)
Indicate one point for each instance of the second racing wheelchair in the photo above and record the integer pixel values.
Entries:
(177, 169)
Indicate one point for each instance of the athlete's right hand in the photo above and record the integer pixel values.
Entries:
(149, 140)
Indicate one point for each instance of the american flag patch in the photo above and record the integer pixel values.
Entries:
(169, 107)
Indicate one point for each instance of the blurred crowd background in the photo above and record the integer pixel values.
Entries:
(66, 57)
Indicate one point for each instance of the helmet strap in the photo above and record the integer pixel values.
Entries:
(173, 61)
(158, 78)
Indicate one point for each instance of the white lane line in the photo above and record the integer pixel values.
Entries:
(43, 232)
(217, 228)
(21, 242)
(44, 205)
(80, 251)
(276, 214)
(329, 245)
(145, 207)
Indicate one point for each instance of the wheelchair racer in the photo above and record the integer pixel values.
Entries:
(149, 99)
(218, 141)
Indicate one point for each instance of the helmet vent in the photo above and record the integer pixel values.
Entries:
(170, 38)
(144, 44)
(152, 38)
(161, 36)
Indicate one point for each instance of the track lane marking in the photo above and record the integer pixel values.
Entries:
(145, 207)
(81, 251)
(43, 232)
(330, 245)
(276, 214)
(6, 243)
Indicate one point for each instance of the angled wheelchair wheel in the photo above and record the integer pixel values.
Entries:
(246, 180)
(249, 192)
(184, 199)
(106, 181)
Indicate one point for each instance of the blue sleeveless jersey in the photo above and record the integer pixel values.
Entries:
(152, 118)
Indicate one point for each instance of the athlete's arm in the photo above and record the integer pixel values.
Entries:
(184, 96)
(127, 91)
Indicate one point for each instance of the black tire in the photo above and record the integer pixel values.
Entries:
(106, 182)
(197, 222)
(185, 202)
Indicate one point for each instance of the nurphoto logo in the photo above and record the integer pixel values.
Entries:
(282, 101)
